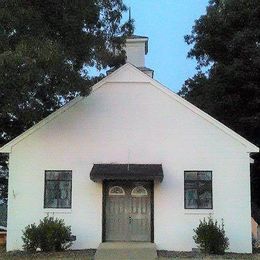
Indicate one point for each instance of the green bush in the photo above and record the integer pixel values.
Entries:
(255, 245)
(50, 235)
(211, 237)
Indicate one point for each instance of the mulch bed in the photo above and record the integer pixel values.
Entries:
(163, 254)
(87, 254)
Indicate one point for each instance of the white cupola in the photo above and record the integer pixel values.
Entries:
(136, 48)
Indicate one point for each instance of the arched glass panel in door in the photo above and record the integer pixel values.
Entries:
(139, 191)
(116, 191)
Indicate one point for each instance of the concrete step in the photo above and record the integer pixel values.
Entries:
(126, 251)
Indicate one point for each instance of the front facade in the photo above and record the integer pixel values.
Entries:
(130, 162)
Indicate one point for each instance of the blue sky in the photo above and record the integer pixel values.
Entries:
(166, 22)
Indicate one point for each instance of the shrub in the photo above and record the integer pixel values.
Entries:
(255, 245)
(211, 237)
(50, 235)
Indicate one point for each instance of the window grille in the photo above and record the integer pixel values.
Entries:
(198, 190)
(58, 187)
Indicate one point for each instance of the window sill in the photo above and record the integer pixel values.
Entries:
(57, 211)
(199, 212)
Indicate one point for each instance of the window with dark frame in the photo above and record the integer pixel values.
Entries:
(198, 190)
(58, 187)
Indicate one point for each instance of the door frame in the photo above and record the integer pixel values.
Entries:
(104, 185)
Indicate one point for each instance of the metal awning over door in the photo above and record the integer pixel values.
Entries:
(145, 172)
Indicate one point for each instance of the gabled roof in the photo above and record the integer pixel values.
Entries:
(143, 78)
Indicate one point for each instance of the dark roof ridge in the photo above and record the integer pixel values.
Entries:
(134, 36)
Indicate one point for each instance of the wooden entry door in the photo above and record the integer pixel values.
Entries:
(128, 211)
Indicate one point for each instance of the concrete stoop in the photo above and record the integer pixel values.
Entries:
(126, 251)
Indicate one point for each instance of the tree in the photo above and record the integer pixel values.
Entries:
(226, 43)
(46, 50)
(3, 182)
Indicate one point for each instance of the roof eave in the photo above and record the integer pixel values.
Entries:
(252, 148)
(5, 149)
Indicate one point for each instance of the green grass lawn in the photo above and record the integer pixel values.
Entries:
(89, 255)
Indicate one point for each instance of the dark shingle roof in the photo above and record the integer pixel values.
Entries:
(136, 37)
(144, 68)
(140, 68)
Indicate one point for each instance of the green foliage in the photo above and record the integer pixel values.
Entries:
(226, 44)
(3, 214)
(3, 179)
(31, 238)
(50, 235)
(47, 49)
(211, 237)
(255, 244)
(231, 51)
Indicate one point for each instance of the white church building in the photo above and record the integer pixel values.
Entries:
(132, 161)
